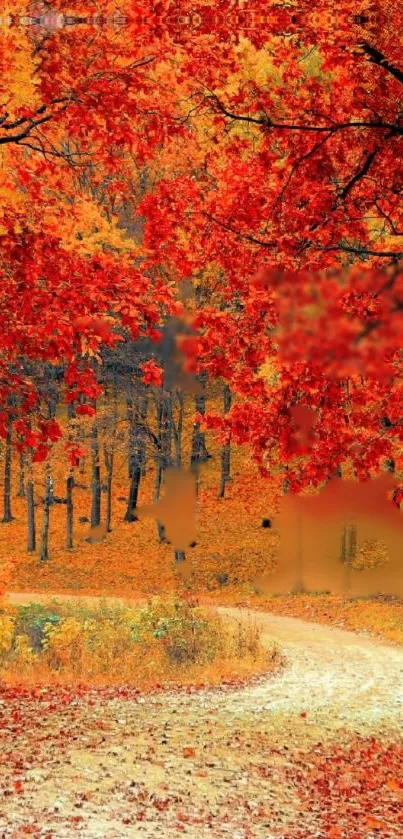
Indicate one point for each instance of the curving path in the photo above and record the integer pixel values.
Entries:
(336, 683)
(347, 679)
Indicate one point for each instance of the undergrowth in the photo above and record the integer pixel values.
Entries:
(166, 641)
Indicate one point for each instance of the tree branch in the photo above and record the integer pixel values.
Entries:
(238, 233)
(363, 251)
(267, 122)
(376, 57)
(361, 173)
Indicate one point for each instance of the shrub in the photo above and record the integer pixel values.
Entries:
(164, 641)
(186, 633)
(22, 655)
(7, 628)
(32, 621)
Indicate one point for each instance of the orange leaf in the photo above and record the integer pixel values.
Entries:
(373, 822)
(394, 785)
(189, 752)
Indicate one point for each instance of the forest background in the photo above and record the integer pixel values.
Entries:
(200, 237)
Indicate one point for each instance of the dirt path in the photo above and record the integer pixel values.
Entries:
(121, 769)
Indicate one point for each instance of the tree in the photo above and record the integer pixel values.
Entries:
(296, 202)
(264, 172)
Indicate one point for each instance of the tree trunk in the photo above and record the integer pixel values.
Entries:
(69, 512)
(109, 456)
(133, 494)
(348, 552)
(131, 448)
(164, 454)
(31, 544)
(137, 453)
(21, 477)
(71, 411)
(226, 449)
(352, 546)
(44, 551)
(95, 479)
(199, 451)
(7, 513)
(177, 429)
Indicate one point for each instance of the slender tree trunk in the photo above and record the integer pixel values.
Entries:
(345, 560)
(44, 550)
(137, 453)
(348, 553)
(132, 436)
(109, 457)
(71, 410)
(226, 449)
(21, 477)
(177, 430)
(199, 451)
(69, 512)
(95, 479)
(7, 513)
(158, 485)
(352, 547)
(133, 494)
(31, 544)
(164, 454)
(80, 439)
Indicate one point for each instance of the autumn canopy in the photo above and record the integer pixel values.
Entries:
(190, 162)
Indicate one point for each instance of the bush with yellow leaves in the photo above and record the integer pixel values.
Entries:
(168, 641)
(7, 627)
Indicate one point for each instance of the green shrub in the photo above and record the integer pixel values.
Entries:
(32, 620)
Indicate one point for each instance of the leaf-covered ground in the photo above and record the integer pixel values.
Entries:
(380, 616)
(315, 751)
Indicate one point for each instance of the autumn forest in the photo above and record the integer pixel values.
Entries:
(201, 419)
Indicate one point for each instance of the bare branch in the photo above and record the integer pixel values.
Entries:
(376, 57)
(238, 233)
(360, 173)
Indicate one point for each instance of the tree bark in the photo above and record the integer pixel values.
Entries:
(44, 551)
(71, 410)
(226, 449)
(69, 512)
(137, 453)
(95, 479)
(21, 477)
(7, 512)
(177, 429)
(109, 457)
(132, 502)
(165, 448)
(31, 543)
(199, 451)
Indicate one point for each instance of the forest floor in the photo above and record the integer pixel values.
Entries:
(313, 751)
